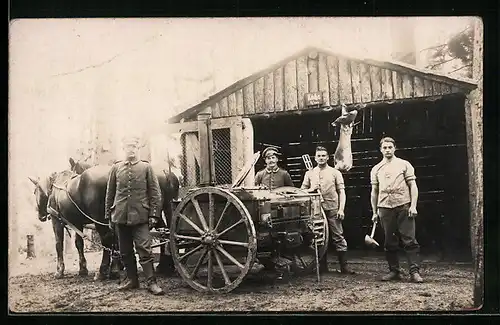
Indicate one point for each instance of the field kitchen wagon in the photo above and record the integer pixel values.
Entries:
(219, 232)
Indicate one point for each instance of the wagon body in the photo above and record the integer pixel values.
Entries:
(219, 234)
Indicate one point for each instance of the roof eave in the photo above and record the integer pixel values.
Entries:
(465, 83)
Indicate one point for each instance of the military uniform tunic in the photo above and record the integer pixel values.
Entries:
(273, 178)
(133, 193)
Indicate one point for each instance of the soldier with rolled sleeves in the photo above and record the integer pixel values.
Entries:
(330, 183)
(133, 199)
(394, 198)
(272, 176)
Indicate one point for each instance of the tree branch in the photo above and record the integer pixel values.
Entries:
(439, 63)
(465, 66)
(92, 66)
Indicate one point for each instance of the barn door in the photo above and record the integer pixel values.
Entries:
(232, 143)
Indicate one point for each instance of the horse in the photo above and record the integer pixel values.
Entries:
(76, 197)
(169, 185)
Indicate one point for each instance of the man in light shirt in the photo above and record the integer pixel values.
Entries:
(330, 183)
(394, 198)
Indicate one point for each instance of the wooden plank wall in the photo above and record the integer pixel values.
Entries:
(341, 80)
(431, 135)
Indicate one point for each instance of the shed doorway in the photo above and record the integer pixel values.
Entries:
(429, 134)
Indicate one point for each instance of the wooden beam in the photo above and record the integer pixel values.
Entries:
(474, 125)
(290, 75)
(240, 109)
(258, 88)
(333, 79)
(279, 90)
(407, 86)
(248, 99)
(312, 71)
(356, 82)
(419, 87)
(323, 78)
(428, 90)
(302, 80)
(376, 82)
(269, 92)
(366, 88)
(397, 84)
(231, 104)
(345, 86)
(224, 109)
(387, 92)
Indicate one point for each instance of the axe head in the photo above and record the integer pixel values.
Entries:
(370, 241)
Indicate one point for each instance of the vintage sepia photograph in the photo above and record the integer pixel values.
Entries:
(288, 164)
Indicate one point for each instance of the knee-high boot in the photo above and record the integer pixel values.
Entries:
(344, 268)
(132, 281)
(153, 287)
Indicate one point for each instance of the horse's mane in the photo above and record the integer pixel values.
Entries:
(58, 178)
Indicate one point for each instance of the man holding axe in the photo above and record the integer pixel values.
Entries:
(394, 202)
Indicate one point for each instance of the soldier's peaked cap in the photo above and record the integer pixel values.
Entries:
(269, 152)
(131, 139)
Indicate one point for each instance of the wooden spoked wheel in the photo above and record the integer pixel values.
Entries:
(213, 240)
(304, 257)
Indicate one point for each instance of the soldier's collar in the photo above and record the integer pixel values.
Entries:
(272, 170)
(128, 162)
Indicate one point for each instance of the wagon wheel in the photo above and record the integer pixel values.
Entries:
(213, 240)
(304, 258)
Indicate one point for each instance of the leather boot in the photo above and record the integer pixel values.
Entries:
(153, 287)
(393, 261)
(414, 264)
(343, 263)
(132, 281)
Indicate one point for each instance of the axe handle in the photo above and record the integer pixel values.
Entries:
(373, 228)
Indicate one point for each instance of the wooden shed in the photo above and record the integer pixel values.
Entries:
(292, 104)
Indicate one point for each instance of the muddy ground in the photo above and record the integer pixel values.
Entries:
(448, 286)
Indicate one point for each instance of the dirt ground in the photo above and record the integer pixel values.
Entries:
(33, 288)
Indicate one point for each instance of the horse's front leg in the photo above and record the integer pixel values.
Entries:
(59, 237)
(81, 255)
(108, 268)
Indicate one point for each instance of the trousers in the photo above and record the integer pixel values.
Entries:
(336, 231)
(399, 228)
(137, 235)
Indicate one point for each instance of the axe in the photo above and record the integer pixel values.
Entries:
(369, 239)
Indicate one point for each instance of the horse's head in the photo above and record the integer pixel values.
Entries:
(42, 188)
(78, 166)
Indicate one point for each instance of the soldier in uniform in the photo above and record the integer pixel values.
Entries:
(272, 176)
(132, 204)
(330, 183)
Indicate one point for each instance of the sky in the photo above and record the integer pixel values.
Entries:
(138, 72)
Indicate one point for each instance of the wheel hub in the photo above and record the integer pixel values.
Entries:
(209, 239)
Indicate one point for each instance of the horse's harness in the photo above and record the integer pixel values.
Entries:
(53, 212)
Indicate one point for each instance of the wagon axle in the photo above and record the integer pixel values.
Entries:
(209, 239)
